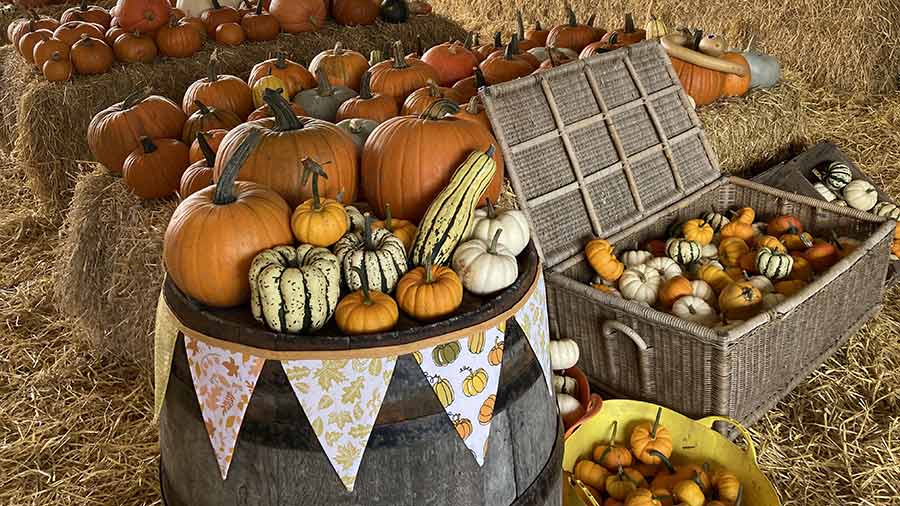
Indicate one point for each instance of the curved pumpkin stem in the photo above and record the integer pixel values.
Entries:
(492, 249)
(472, 105)
(212, 70)
(204, 110)
(206, 149)
(224, 194)
(365, 86)
(439, 109)
(134, 97)
(313, 169)
(665, 460)
(324, 88)
(339, 48)
(364, 281)
(399, 58)
(480, 81)
(285, 119)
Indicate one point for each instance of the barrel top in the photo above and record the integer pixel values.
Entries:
(237, 325)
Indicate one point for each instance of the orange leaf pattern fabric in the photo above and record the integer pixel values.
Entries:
(463, 379)
(535, 323)
(224, 381)
(341, 399)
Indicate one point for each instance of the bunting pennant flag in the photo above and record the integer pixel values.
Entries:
(224, 381)
(341, 399)
(465, 375)
(165, 335)
(535, 323)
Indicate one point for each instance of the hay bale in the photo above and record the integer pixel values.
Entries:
(109, 270)
(852, 46)
(52, 118)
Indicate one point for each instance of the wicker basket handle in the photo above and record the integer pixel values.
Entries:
(709, 421)
(644, 351)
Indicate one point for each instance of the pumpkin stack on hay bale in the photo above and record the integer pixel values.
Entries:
(51, 119)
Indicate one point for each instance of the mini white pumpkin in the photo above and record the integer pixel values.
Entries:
(683, 251)
(771, 300)
(887, 209)
(762, 283)
(716, 220)
(774, 265)
(564, 354)
(655, 28)
(640, 283)
(695, 309)
(567, 404)
(565, 385)
(488, 220)
(860, 194)
(636, 257)
(709, 251)
(665, 266)
(826, 194)
(702, 290)
(194, 8)
(485, 267)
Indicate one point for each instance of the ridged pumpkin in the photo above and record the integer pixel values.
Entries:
(141, 15)
(265, 111)
(452, 61)
(200, 174)
(286, 139)
(366, 311)
(295, 76)
(509, 66)
(740, 300)
(178, 39)
(343, 67)
(28, 42)
(72, 31)
(368, 105)
(401, 75)
(297, 16)
(420, 100)
(88, 13)
(260, 25)
(468, 87)
(673, 289)
(628, 34)
(205, 119)
(134, 48)
(154, 169)
(572, 35)
(430, 292)
(474, 111)
(23, 26)
(402, 229)
(320, 222)
(44, 49)
(116, 131)
(408, 160)
(378, 252)
(206, 221)
(221, 91)
(734, 85)
(218, 15)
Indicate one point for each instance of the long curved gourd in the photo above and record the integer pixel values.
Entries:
(674, 49)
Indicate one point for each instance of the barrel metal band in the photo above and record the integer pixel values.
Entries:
(373, 352)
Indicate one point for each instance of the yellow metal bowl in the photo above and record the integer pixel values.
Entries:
(692, 440)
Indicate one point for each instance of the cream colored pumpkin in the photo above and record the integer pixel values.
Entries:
(772, 299)
(695, 309)
(565, 385)
(488, 220)
(655, 28)
(193, 8)
(485, 267)
(709, 251)
(702, 290)
(636, 257)
(567, 404)
(665, 266)
(860, 194)
(887, 209)
(640, 283)
(762, 283)
(564, 353)
(759, 228)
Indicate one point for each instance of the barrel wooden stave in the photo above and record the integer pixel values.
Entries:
(414, 455)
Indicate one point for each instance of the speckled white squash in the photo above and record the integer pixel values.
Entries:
(294, 289)
(379, 252)
(774, 265)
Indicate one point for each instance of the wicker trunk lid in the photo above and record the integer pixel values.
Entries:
(611, 147)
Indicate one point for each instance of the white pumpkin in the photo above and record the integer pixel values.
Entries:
(665, 266)
(826, 194)
(709, 251)
(771, 300)
(636, 257)
(193, 8)
(695, 309)
(860, 194)
(640, 283)
(564, 354)
(762, 283)
(565, 385)
(488, 220)
(567, 404)
(887, 209)
(702, 290)
(485, 267)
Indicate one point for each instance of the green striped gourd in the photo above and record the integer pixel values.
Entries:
(451, 215)
(683, 251)
(836, 176)
(294, 289)
(715, 220)
(774, 265)
(380, 253)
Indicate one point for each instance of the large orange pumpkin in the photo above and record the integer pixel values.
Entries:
(89, 13)
(368, 105)
(214, 234)
(702, 84)
(205, 119)
(18, 28)
(628, 34)
(295, 76)
(154, 169)
(287, 139)
(468, 87)
(408, 160)
(511, 65)
(342, 66)
(452, 61)
(572, 35)
(220, 91)
(298, 16)
(734, 85)
(116, 131)
(401, 75)
(141, 15)
(420, 100)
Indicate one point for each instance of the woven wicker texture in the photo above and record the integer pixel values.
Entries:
(597, 145)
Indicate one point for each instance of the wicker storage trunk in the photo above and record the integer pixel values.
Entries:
(610, 147)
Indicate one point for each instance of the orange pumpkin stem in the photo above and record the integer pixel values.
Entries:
(225, 186)
(315, 170)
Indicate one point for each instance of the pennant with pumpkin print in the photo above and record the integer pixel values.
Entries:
(341, 398)
(465, 375)
(535, 323)
(165, 335)
(224, 382)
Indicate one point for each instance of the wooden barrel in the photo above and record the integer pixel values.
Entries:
(414, 454)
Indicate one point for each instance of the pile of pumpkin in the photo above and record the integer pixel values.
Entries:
(716, 271)
(642, 474)
(88, 39)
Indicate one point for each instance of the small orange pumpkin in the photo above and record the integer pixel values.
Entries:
(785, 224)
(802, 270)
(673, 289)
(610, 455)
(737, 229)
(731, 249)
(740, 300)
(647, 438)
(790, 287)
(821, 255)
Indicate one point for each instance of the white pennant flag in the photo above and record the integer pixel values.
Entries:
(341, 399)
(535, 323)
(464, 375)
(224, 382)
